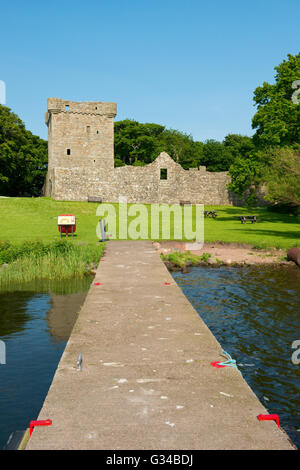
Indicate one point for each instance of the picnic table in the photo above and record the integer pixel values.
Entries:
(248, 218)
(185, 203)
(210, 214)
(94, 199)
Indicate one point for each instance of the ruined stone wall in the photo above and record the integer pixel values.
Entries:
(81, 163)
(142, 184)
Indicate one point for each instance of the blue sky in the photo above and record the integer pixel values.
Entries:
(189, 65)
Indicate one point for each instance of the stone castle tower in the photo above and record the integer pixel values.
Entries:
(81, 163)
(80, 135)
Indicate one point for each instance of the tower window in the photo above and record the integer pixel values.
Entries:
(163, 173)
(67, 107)
(88, 128)
(97, 132)
(68, 151)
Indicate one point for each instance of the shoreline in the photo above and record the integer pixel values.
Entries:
(153, 352)
(228, 254)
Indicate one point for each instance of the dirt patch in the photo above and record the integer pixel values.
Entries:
(230, 253)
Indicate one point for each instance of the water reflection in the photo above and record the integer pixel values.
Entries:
(254, 313)
(13, 312)
(35, 323)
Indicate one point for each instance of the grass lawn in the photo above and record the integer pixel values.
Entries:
(30, 219)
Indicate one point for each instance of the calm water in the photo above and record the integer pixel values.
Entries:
(255, 315)
(35, 324)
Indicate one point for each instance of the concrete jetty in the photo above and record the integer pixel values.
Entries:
(146, 381)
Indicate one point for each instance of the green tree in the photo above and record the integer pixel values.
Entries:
(277, 120)
(135, 142)
(239, 145)
(260, 162)
(282, 178)
(139, 144)
(216, 156)
(182, 148)
(247, 175)
(23, 157)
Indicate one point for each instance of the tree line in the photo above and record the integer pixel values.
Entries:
(269, 159)
(23, 157)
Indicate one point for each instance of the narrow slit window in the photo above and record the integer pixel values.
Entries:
(163, 173)
(68, 151)
(88, 128)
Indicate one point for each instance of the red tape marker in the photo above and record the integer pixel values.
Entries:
(166, 283)
(44, 422)
(269, 418)
(216, 364)
(97, 284)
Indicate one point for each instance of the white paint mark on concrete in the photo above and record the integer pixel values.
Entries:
(148, 391)
(163, 397)
(189, 360)
(92, 435)
(179, 407)
(170, 424)
(226, 394)
(122, 381)
(143, 412)
(144, 381)
(113, 364)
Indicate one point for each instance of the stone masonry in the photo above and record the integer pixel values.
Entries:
(81, 163)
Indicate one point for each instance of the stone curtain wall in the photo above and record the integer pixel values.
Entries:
(142, 184)
(81, 163)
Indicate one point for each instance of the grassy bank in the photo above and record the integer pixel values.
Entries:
(62, 259)
(180, 260)
(30, 219)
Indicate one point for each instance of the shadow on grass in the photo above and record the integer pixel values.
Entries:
(262, 216)
(273, 233)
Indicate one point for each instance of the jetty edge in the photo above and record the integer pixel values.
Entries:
(146, 379)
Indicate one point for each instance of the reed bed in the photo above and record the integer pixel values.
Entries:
(37, 260)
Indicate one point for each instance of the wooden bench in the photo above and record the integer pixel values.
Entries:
(94, 199)
(248, 218)
(210, 214)
(185, 203)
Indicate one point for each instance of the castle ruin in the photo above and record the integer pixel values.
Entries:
(81, 163)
